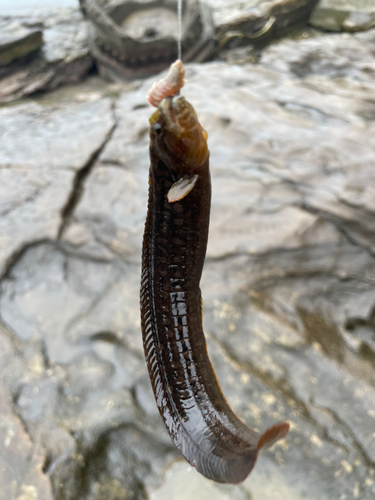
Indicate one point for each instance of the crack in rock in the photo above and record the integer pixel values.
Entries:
(79, 180)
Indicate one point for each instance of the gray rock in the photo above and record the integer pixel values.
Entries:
(327, 57)
(344, 15)
(116, 228)
(21, 463)
(246, 20)
(64, 57)
(21, 459)
(83, 385)
(288, 283)
(17, 41)
(38, 169)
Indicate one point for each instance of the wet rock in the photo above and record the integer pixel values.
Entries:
(17, 41)
(288, 283)
(345, 15)
(63, 58)
(342, 56)
(182, 482)
(116, 227)
(40, 155)
(80, 401)
(136, 39)
(21, 459)
(21, 463)
(245, 21)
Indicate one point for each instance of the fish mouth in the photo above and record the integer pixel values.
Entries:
(166, 116)
(176, 115)
(169, 107)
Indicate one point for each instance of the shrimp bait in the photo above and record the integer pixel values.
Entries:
(170, 85)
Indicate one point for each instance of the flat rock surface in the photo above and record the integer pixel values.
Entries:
(40, 155)
(288, 284)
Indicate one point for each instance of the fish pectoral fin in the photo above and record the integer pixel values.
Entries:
(181, 188)
(272, 435)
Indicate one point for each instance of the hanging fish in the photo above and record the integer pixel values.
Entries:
(197, 416)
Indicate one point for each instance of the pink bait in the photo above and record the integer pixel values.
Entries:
(169, 85)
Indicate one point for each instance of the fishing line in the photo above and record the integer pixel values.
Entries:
(179, 36)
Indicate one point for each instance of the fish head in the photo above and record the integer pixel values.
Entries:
(178, 137)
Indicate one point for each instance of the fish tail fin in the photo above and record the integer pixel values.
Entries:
(272, 435)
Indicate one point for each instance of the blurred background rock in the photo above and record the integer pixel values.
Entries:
(285, 90)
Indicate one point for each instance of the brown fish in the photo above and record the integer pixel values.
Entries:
(195, 412)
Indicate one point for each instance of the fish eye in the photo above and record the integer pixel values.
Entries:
(156, 127)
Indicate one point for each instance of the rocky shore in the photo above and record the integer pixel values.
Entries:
(288, 284)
